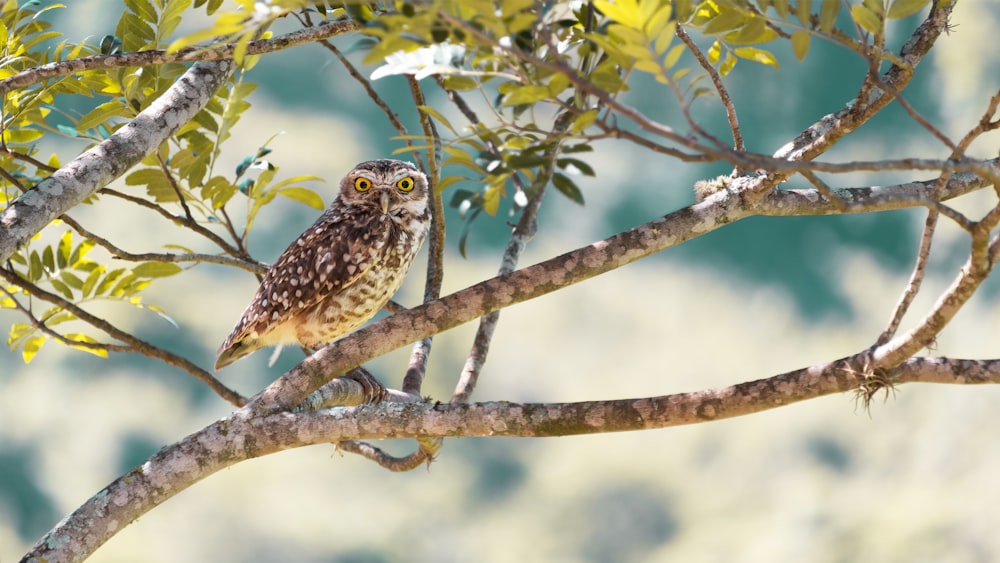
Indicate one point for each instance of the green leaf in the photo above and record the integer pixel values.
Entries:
(35, 268)
(101, 114)
(567, 187)
(156, 269)
(64, 249)
(109, 280)
(906, 8)
(71, 279)
(48, 259)
(91, 281)
(303, 195)
(580, 165)
(61, 288)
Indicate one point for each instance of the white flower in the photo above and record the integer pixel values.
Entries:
(441, 58)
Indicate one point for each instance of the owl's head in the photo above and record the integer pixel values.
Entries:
(387, 187)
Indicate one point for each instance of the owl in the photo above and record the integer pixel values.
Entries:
(344, 268)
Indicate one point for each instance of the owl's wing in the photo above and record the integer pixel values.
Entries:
(323, 261)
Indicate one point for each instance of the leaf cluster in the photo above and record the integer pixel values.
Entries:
(179, 179)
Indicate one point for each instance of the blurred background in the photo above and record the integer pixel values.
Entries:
(913, 480)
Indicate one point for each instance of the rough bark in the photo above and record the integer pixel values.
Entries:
(97, 167)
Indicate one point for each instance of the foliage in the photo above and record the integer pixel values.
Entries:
(551, 80)
(180, 176)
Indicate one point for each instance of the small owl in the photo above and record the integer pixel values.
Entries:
(344, 268)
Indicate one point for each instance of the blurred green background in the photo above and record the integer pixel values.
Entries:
(819, 481)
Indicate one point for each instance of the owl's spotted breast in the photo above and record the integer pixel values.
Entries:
(344, 268)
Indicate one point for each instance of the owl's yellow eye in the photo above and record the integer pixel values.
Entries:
(405, 185)
(362, 184)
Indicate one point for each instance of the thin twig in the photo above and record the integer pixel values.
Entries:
(423, 456)
(14, 181)
(173, 184)
(720, 88)
(136, 344)
(915, 281)
(525, 230)
(417, 368)
(27, 158)
(822, 188)
(160, 57)
(374, 96)
(253, 267)
(40, 325)
(184, 221)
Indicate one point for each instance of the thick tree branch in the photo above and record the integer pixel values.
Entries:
(94, 169)
(716, 211)
(244, 435)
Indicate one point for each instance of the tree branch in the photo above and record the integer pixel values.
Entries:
(717, 210)
(247, 434)
(134, 343)
(95, 168)
(39, 74)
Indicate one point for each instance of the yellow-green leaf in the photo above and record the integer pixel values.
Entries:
(673, 56)
(828, 14)
(557, 84)
(85, 338)
(156, 269)
(906, 8)
(727, 20)
(625, 12)
(31, 347)
(656, 26)
(61, 288)
(491, 199)
(584, 120)
(800, 44)
(714, 52)
(803, 12)
(727, 65)
(866, 18)
(757, 55)
(101, 114)
(781, 6)
(303, 195)
(64, 249)
(755, 31)
(428, 110)
(526, 95)
(91, 281)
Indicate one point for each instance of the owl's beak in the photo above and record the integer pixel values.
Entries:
(385, 201)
